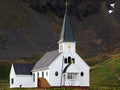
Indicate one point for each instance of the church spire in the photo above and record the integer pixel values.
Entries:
(66, 33)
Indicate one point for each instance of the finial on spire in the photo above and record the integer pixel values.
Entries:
(66, 33)
(66, 4)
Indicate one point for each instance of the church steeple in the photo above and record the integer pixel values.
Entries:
(66, 33)
(67, 42)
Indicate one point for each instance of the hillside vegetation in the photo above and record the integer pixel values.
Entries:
(30, 27)
(104, 74)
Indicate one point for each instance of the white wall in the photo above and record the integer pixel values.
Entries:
(12, 75)
(46, 71)
(79, 63)
(84, 80)
(56, 66)
(26, 81)
(65, 46)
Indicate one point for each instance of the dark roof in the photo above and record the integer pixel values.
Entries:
(23, 69)
(65, 69)
(66, 33)
(46, 60)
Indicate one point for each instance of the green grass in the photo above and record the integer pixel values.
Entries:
(4, 70)
(104, 88)
(103, 76)
(106, 73)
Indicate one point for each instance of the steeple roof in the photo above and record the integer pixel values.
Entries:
(66, 33)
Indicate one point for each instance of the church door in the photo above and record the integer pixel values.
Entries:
(43, 83)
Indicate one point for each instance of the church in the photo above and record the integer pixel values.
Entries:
(58, 68)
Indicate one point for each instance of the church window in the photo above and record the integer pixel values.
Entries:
(69, 76)
(61, 47)
(42, 74)
(56, 73)
(65, 60)
(46, 73)
(72, 76)
(38, 74)
(33, 77)
(73, 61)
(12, 81)
(82, 74)
(20, 86)
(69, 59)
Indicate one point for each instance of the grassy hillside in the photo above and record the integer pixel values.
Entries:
(106, 73)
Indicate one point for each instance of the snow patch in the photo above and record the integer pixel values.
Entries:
(110, 11)
(112, 5)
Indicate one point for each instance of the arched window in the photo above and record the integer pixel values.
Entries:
(73, 61)
(65, 60)
(69, 59)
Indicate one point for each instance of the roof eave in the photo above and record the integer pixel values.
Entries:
(61, 41)
(34, 70)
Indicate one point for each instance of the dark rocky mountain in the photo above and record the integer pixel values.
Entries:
(29, 27)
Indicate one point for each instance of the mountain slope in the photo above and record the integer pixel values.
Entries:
(107, 73)
(23, 31)
(31, 27)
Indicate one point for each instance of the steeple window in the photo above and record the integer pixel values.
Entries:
(12, 81)
(61, 48)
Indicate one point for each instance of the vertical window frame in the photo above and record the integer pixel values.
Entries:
(34, 77)
(42, 74)
(69, 60)
(46, 73)
(12, 80)
(73, 60)
(65, 60)
(38, 74)
(72, 76)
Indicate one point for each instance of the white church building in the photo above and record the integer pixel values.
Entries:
(58, 68)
